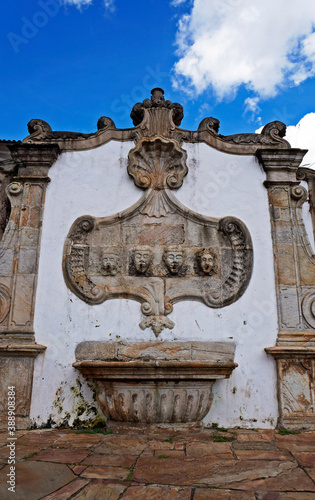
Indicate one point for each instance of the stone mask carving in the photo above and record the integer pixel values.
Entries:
(157, 251)
(206, 262)
(110, 264)
(140, 262)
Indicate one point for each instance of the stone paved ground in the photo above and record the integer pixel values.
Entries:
(209, 464)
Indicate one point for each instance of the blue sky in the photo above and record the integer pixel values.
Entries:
(69, 62)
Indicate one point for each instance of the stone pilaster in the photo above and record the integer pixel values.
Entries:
(19, 256)
(294, 263)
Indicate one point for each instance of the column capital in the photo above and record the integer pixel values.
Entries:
(280, 165)
(33, 160)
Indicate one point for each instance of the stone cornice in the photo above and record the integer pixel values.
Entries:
(152, 370)
(21, 350)
(32, 161)
(280, 165)
(157, 116)
(289, 352)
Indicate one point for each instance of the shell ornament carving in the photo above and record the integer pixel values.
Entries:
(151, 252)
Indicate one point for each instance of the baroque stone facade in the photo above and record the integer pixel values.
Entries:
(157, 252)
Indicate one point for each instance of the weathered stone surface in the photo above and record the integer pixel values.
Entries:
(263, 455)
(213, 351)
(156, 383)
(222, 450)
(209, 493)
(110, 460)
(311, 472)
(67, 491)
(35, 480)
(78, 440)
(157, 493)
(305, 459)
(118, 445)
(281, 480)
(40, 439)
(277, 495)
(105, 472)
(61, 455)
(252, 437)
(16, 371)
(98, 490)
(254, 445)
(77, 469)
(169, 453)
(207, 471)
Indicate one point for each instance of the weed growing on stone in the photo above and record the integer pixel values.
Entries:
(170, 439)
(217, 438)
(96, 430)
(128, 478)
(285, 432)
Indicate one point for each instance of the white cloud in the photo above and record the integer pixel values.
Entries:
(78, 3)
(302, 136)
(224, 44)
(108, 4)
(252, 108)
(175, 3)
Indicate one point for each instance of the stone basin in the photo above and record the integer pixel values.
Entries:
(155, 382)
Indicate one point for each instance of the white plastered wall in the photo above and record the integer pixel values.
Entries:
(96, 183)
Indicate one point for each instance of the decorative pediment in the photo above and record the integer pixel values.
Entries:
(159, 117)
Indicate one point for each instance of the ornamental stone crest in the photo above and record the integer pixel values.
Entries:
(158, 252)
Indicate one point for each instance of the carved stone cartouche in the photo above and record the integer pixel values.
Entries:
(167, 253)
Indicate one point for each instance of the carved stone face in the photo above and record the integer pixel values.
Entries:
(174, 260)
(206, 262)
(142, 259)
(110, 264)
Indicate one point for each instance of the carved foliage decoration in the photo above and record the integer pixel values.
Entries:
(158, 252)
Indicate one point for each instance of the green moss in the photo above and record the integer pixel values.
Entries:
(95, 430)
(163, 456)
(170, 439)
(217, 438)
(285, 432)
(128, 478)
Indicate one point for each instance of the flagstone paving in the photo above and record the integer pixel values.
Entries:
(208, 464)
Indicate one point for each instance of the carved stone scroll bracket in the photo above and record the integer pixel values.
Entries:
(271, 135)
(296, 394)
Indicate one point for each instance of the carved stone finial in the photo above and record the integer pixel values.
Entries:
(156, 115)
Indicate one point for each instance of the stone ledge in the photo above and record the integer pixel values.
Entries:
(139, 370)
(21, 350)
(175, 351)
(288, 352)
